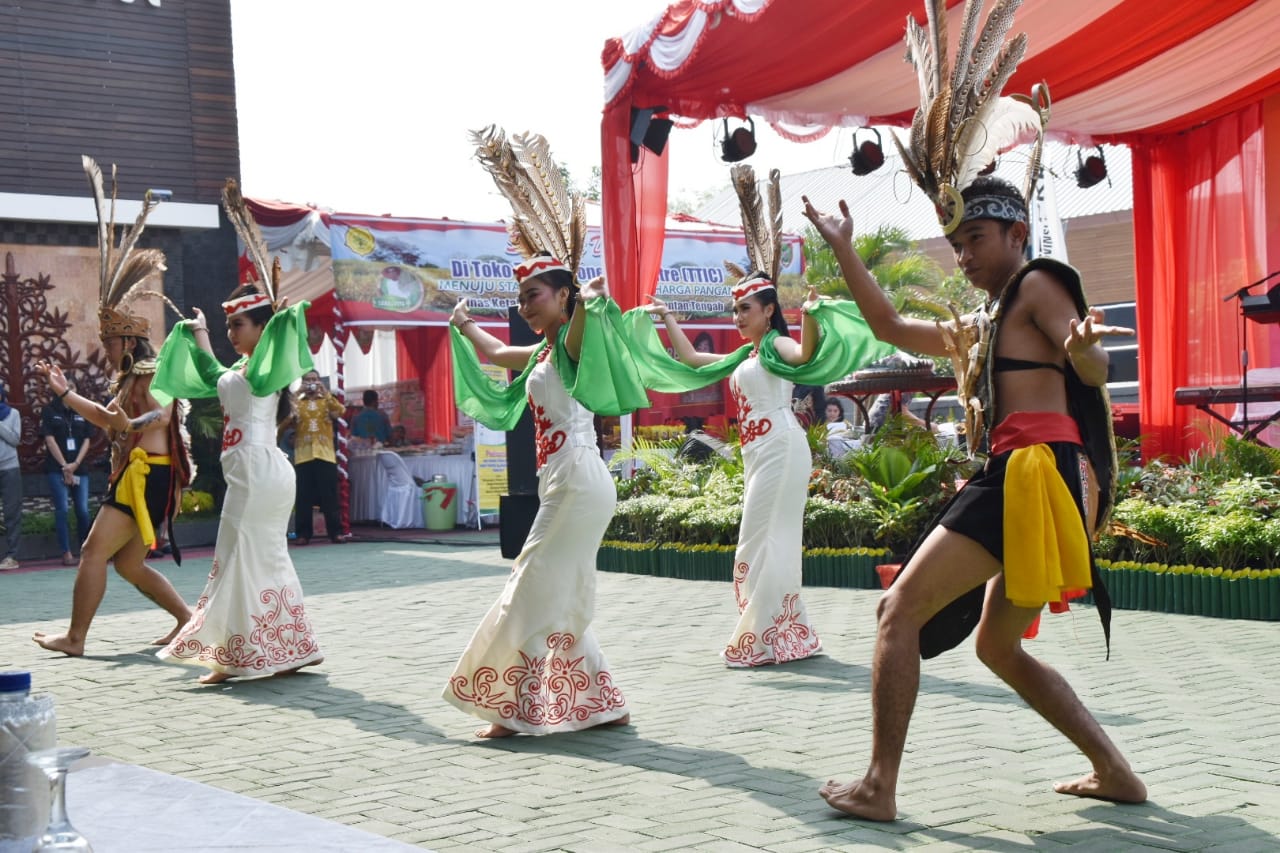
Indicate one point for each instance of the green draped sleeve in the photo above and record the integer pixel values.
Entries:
(604, 379)
(184, 370)
(659, 371)
(495, 405)
(845, 343)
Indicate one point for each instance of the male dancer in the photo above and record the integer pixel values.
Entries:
(149, 464)
(1046, 364)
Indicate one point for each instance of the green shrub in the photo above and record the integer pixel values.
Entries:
(195, 502)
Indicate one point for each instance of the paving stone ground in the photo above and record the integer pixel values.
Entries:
(716, 759)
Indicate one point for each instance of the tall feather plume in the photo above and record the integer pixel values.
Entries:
(753, 224)
(962, 122)
(961, 75)
(120, 267)
(546, 217)
(248, 232)
(735, 270)
(775, 223)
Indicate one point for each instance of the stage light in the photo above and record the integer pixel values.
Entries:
(649, 127)
(1090, 170)
(868, 156)
(740, 144)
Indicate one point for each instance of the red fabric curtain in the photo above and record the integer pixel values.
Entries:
(1199, 226)
(424, 352)
(635, 213)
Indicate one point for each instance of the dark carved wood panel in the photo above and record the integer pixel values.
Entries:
(150, 89)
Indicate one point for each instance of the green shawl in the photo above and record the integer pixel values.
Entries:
(604, 379)
(845, 343)
(185, 371)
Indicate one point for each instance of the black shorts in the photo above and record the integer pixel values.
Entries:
(159, 496)
(977, 511)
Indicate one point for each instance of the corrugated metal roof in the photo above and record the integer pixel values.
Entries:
(887, 196)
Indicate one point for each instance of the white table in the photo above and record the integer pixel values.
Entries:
(369, 482)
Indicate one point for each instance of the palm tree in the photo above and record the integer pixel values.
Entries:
(910, 277)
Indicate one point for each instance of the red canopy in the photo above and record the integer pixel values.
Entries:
(1191, 86)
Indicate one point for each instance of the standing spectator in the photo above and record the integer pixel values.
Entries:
(371, 422)
(66, 440)
(10, 480)
(314, 459)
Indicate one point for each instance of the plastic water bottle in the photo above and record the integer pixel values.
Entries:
(27, 723)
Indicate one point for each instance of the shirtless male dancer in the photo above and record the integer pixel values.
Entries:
(147, 449)
(1047, 344)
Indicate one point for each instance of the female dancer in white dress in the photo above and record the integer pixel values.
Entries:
(250, 619)
(533, 664)
(772, 624)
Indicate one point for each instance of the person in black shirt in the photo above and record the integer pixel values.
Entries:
(66, 440)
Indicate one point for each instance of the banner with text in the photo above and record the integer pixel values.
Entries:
(407, 272)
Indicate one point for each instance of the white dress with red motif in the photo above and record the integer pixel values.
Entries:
(534, 664)
(250, 620)
(772, 624)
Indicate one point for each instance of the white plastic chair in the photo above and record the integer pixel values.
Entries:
(400, 506)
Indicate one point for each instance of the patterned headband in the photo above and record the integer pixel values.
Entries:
(1000, 207)
(750, 286)
(246, 303)
(538, 266)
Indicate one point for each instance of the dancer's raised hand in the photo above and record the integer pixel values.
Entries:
(833, 228)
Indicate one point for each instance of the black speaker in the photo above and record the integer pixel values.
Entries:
(517, 508)
(515, 514)
(650, 128)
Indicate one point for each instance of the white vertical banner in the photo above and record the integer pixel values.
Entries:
(1046, 238)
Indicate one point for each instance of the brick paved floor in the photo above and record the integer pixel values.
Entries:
(716, 759)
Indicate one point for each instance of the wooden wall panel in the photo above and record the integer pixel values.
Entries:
(150, 89)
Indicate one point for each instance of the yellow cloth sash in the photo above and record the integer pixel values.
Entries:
(1046, 551)
(132, 491)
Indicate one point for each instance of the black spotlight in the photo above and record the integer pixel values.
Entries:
(868, 156)
(1090, 170)
(649, 127)
(740, 144)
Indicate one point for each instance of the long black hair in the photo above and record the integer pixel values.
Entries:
(259, 317)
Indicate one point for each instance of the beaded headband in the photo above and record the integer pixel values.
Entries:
(537, 266)
(246, 303)
(1000, 207)
(750, 286)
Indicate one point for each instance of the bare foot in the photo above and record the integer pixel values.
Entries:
(168, 638)
(494, 730)
(214, 678)
(857, 798)
(59, 643)
(624, 720)
(1124, 786)
(315, 662)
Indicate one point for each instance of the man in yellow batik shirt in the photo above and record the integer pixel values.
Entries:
(314, 460)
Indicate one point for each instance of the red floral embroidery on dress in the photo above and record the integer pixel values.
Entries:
(790, 638)
(230, 437)
(281, 636)
(546, 691)
(748, 430)
(546, 444)
(740, 572)
(786, 639)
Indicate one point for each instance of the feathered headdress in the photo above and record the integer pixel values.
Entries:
(547, 219)
(763, 235)
(963, 121)
(266, 269)
(123, 267)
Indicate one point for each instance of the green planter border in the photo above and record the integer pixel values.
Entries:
(853, 568)
(1191, 590)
